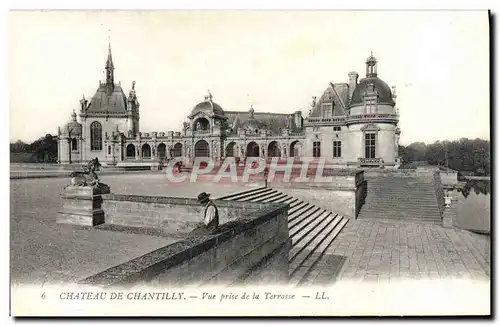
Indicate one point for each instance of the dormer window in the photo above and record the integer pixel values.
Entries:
(371, 106)
(326, 110)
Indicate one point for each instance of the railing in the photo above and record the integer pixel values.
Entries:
(373, 116)
(364, 160)
(325, 120)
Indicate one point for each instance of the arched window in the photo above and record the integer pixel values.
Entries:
(273, 149)
(201, 149)
(177, 150)
(162, 150)
(74, 144)
(230, 149)
(95, 136)
(253, 149)
(296, 149)
(146, 151)
(130, 150)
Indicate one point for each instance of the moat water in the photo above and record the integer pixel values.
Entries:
(474, 206)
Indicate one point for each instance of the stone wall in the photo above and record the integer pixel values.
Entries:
(253, 249)
(438, 187)
(342, 193)
(449, 178)
(170, 214)
(411, 173)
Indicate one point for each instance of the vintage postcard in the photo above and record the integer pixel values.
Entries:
(249, 163)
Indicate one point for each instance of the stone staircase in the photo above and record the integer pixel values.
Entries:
(402, 198)
(312, 230)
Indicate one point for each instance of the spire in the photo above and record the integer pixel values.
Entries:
(83, 103)
(371, 66)
(110, 83)
(109, 62)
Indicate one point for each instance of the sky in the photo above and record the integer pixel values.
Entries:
(274, 60)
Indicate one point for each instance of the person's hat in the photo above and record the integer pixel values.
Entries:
(203, 197)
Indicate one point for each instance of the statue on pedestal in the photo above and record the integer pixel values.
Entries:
(85, 188)
(88, 177)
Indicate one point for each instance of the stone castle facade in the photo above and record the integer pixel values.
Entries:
(353, 124)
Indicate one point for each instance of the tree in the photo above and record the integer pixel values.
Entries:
(465, 155)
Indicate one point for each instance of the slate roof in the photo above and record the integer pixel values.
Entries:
(261, 120)
(338, 94)
(101, 102)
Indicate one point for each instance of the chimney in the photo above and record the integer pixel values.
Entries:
(353, 82)
(298, 119)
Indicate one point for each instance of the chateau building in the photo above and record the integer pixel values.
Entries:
(351, 124)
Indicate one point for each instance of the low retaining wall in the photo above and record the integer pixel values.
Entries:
(170, 214)
(384, 173)
(253, 249)
(342, 192)
(438, 187)
(449, 178)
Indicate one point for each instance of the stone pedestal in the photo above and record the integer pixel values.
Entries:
(82, 205)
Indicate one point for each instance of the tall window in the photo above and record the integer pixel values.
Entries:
(337, 149)
(316, 149)
(74, 144)
(369, 145)
(109, 149)
(95, 136)
(371, 106)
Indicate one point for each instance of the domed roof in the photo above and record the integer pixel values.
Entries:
(72, 128)
(209, 107)
(383, 90)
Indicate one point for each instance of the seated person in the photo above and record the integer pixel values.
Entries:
(210, 215)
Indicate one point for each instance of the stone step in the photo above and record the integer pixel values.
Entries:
(245, 196)
(292, 222)
(267, 196)
(315, 259)
(309, 241)
(392, 206)
(400, 216)
(436, 221)
(408, 195)
(240, 193)
(311, 225)
(308, 223)
(311, 228)
(287, 200)
(276, 198)
(257, 195)
(299, 206)
(401, 192)
(302, 262)
(306, 210)
(396, 209)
